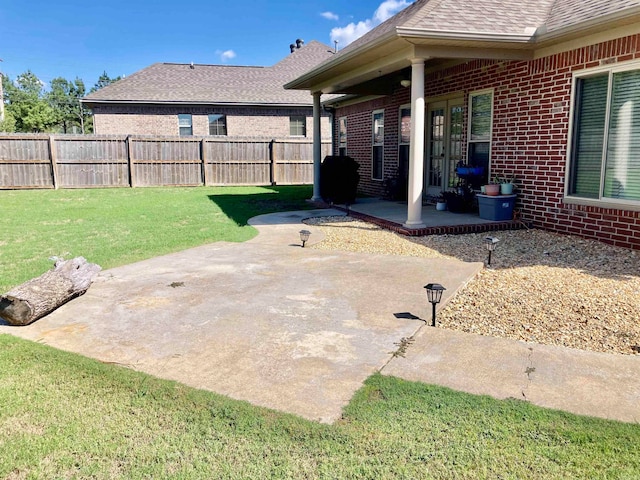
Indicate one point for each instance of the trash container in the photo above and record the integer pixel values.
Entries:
(339, 179)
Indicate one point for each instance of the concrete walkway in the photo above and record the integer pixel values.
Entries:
(299, 330)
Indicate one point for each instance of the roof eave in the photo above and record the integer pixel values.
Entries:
(410, 33)
(613, 19)
(338, 60)
(203, 103)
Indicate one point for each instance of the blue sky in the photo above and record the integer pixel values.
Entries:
(72, 38)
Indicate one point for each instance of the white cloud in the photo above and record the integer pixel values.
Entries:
(226, 55)
(387, 9)
(330, 16)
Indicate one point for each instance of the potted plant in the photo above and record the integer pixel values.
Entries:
(506, 184)
(441, 203)
(459, 200)
(492, 189)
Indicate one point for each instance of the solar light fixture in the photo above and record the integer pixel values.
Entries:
(304, 236)
(490, 243)
(434, 295)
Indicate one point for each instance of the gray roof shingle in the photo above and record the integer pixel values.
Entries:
(492, 16)
(211, 84)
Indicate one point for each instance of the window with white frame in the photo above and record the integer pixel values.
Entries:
(298, 126)
(480, 125)
(377, 154)
(604, 151)
(217, 124)
(185, 124)
(342, 136)
(404, 140)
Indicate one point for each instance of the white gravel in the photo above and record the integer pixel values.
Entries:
(542, 287)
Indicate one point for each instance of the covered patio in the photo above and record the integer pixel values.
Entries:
(392, 214)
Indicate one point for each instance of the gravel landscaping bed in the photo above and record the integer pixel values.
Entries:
(542, 287)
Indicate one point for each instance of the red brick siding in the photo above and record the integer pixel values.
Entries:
(163, 120)
(530, 131)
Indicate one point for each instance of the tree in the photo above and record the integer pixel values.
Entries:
(103, 81)
(65, 97)
(25, 102)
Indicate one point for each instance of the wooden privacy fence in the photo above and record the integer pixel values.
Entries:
(88, 161)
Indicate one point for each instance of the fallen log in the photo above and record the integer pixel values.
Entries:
(40, 296)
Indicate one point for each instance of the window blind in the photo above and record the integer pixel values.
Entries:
(588, 139)
(622, 172)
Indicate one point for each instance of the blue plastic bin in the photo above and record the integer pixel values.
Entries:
(496, 208)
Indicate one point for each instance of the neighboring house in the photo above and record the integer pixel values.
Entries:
(546, 90)
(192, 99)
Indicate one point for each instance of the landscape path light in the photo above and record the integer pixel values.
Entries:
(490, 243)
(434, 295)
(304, 236)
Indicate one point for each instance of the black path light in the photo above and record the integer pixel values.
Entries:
(304, 236)
(490, 243)
(434, 295)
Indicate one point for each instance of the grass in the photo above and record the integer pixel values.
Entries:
(66, 416)
(113, 227)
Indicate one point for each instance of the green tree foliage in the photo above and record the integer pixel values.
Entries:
(64, 97)
(26, 104)
(30, 108)
(103, 81)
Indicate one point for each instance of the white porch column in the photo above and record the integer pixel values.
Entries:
(317, 147)
(416, 148)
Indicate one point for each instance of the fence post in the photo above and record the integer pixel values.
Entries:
(130, 162)
(272, 159)
(54, 162)
(203, 157)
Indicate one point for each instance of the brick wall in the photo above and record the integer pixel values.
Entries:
(163, 120)
(530, 131)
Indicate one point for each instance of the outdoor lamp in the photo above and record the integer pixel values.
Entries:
(304, 236)
(490, 243)
(434, 295)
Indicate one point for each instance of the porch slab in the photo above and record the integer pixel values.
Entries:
(392, 214)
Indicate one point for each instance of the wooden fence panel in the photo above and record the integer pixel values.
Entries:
(25, 162)
(166, 161)
(238, 162)
(294, 161)
(86, 162)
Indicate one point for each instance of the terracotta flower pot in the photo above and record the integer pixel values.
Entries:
(492, 189)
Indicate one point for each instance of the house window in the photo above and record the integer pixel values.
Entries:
(604, 151)
(217, 124)
(342, 136)
(480, 123)
(298, 126)
(185, 124)
(403, 142)
(377, 157)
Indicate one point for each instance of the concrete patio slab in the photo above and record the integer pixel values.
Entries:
(587, 383)
(285, 327)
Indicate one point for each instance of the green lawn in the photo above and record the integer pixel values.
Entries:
(66, 416)
(113, 227)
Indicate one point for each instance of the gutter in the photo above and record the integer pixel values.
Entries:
(543, 35)
(526, 37)
(179, 103)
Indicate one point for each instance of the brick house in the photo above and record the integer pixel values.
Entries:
(546, 90)
(188, 99)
